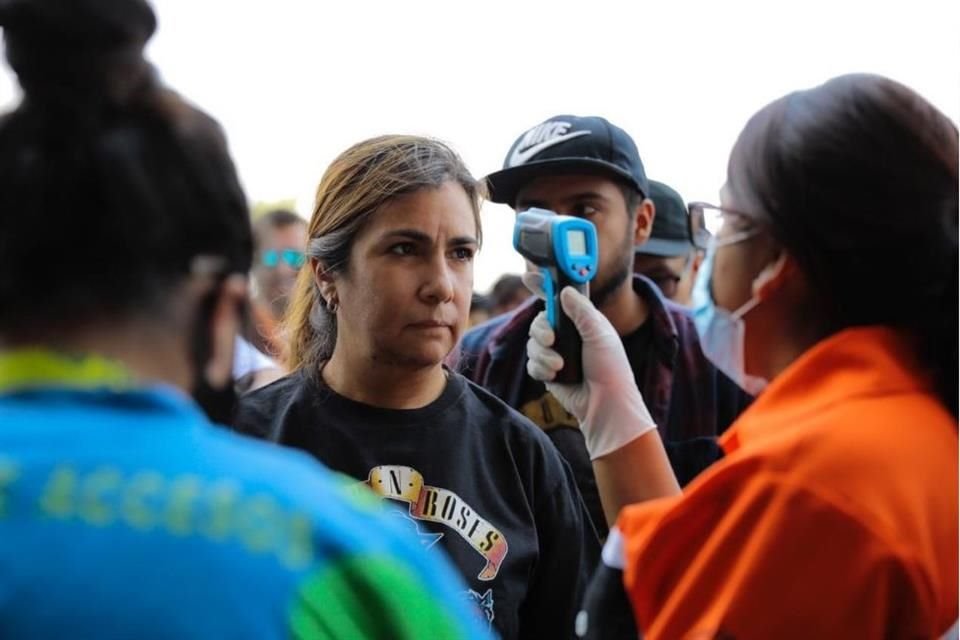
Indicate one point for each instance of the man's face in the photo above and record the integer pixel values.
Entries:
(273, 274)
(666, 272)
(601, 201)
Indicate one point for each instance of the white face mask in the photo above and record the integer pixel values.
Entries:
(722, 332)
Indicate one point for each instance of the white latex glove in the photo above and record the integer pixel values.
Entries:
(607, 403)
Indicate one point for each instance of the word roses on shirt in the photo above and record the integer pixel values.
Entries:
(446, 507)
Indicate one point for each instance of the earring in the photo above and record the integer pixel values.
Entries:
(333, 305)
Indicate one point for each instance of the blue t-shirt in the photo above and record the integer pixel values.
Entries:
(125, 514)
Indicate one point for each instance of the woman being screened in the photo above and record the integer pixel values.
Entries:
(384, 300)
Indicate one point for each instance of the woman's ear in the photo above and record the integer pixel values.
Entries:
(325, 282)
(774, 275)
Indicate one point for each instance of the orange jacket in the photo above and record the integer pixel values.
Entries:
(834, 513)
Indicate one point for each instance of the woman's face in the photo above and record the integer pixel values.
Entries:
(736, 268)
(405, 297)
(735, 265)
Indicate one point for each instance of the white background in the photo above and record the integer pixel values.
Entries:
(294, 82)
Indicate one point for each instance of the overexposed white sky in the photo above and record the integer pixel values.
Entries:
(295, 82)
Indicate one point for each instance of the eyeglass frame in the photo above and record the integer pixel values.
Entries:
(695, 212)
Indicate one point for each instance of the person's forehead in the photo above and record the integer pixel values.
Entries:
(295, 232)
(562, 186)
(430, 209)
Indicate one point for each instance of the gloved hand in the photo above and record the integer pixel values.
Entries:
(607, 403)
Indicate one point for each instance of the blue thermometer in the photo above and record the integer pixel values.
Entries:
(564, 248)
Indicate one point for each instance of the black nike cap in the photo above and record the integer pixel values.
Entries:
(565, 145)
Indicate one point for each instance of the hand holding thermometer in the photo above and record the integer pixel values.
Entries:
(565, 250)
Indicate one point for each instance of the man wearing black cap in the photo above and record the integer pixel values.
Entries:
(587, 167)
(668, 257)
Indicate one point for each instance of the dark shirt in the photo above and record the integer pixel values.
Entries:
(637, 347)
(606, 612)
(468, 473)
(688, 398)
(539, 405)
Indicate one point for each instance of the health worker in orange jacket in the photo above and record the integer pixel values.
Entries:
(832, 294)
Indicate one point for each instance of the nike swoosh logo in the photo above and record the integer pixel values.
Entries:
(519, 157)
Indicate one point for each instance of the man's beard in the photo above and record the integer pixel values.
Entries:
(600, 291)
(278, 305)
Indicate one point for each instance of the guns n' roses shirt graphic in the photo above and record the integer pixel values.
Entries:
(436, 504)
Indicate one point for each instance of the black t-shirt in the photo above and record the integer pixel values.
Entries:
(468, 473)
(542, 408)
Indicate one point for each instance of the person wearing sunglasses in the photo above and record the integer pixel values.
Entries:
(280, 237)
(830, 290)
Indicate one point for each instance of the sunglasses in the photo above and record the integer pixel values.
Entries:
(293, 258)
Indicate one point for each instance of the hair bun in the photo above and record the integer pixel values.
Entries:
(68, 49)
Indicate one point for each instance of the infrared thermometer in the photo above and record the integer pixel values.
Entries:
(564, 248)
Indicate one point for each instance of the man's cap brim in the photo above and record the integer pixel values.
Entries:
(504, 185)
(664, 248)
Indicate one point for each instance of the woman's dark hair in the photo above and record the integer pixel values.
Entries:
(112, 188)
(857, 179)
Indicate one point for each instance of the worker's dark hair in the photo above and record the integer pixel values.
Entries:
(112, 188)
(857, 179)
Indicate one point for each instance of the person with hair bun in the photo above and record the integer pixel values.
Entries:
(384, 300)
(832, 291)
(124, 512)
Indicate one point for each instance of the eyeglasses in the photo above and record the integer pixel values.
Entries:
(707, 220)
(293, 258)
